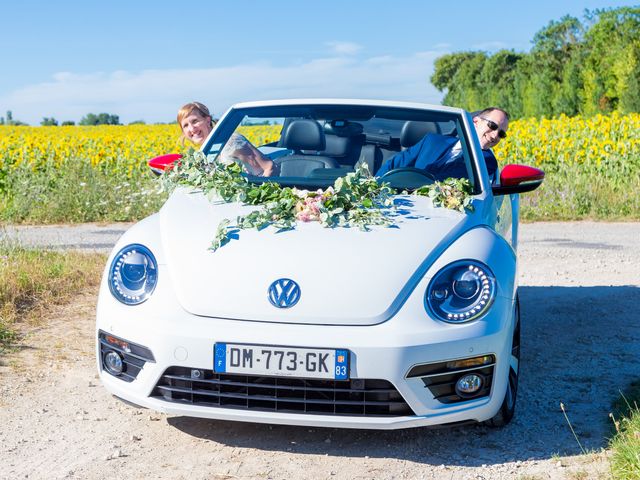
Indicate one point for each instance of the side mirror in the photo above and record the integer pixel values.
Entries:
(518, 179)
(164, 162)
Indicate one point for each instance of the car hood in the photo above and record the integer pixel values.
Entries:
(346, 276)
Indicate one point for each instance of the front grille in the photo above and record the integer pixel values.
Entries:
(206, 388)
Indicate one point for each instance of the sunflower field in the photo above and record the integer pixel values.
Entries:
(592, 165)
(99, 173)
(88, 174)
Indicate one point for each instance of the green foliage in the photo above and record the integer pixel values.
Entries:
(453, 193)
(498, 79)
(76, 193)
(68, 123)
(355, 200)
(100, 119)
(553, 80)
(10, 121)
(573, 192)
(573, 68)
(556, 40)
(461, 75)
(567, 94)
(446, 75)
(625, 444)
(613, 55)
(49, 122)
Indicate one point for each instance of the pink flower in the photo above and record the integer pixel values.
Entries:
(308, 209)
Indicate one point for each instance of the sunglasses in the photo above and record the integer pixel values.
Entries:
(494, 126)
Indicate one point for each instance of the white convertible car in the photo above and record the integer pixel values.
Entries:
(387, 327)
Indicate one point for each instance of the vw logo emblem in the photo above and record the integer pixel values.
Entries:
(284, 293)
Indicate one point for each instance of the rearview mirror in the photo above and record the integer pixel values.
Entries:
(518, 179)
(159, 164)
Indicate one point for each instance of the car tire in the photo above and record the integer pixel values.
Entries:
(508, 407)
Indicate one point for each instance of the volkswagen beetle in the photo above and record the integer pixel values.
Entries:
(412, 323)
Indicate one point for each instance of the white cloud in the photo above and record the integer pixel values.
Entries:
(344, 48)
(156, 95)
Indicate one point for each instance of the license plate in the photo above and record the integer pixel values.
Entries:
(281, 361)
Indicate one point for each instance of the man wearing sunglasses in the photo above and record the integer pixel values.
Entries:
(491, 125)
(441, 155)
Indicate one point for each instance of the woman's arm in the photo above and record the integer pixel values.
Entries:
(266, 164)
(253, 160)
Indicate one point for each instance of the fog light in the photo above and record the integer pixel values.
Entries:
(113, 363)
(468, 385)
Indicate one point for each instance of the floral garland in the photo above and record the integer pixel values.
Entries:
(355, 200)
(452, 193)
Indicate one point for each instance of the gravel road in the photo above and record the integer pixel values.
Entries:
(86, 237)
(580, 288)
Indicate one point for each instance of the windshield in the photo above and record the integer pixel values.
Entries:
(313, 145)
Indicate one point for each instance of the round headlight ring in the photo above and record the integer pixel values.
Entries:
(470, 288)
(133, 274)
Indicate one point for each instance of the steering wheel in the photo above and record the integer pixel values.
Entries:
(408, 177)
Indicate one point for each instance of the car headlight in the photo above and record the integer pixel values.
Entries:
(462, 291)
(133, 274)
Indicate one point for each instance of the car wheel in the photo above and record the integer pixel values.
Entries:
(508, 407)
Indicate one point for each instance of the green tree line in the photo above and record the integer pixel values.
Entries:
(88, 119)
(574, 67)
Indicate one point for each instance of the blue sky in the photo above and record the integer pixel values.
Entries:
(143, 59)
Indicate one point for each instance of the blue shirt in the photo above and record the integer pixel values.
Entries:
(431, 154)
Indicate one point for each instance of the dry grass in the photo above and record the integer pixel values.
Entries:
(32, 281)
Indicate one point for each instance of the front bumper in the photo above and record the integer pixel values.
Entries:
(384, 352)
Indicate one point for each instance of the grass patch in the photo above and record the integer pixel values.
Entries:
(31, 281)
(573, 192)
(625, 444)
(77, 192)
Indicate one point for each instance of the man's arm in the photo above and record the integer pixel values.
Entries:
(406, 158)
(492, 165)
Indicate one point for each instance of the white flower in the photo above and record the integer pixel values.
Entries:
(300, 193)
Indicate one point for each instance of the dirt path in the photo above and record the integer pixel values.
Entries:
(580, 288)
